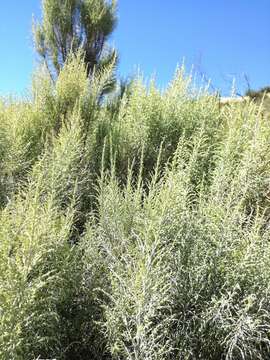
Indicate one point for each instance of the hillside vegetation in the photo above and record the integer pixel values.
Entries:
(132, 227)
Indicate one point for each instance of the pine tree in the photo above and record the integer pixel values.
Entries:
(69, 26)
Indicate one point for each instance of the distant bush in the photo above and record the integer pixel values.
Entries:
(134, 227)
(253, 94)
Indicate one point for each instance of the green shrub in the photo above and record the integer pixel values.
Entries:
(132, 229)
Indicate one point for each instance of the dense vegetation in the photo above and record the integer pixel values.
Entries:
(132, 227)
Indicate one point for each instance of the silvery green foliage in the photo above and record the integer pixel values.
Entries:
(134, 229)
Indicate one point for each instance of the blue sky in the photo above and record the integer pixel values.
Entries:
(222, 39)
